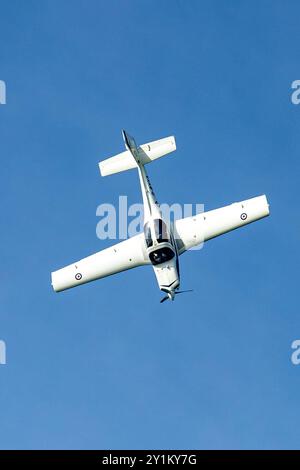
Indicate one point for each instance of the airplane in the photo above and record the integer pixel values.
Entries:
(160, 244)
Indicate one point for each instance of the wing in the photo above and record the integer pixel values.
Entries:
(192, 231)
(120, 257)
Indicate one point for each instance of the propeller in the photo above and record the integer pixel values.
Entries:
(168, 296)
(184, 291)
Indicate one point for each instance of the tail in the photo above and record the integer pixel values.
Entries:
(136, 155)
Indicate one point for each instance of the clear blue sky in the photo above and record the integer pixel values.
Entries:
(105, 365)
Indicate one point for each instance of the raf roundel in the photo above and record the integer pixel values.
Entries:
(243, 216)
(78, 276)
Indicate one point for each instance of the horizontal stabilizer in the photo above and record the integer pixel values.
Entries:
(145, 153)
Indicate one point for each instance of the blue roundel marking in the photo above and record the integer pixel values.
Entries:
(78, 276)
(244, 216)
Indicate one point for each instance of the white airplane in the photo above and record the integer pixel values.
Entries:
(160, 244)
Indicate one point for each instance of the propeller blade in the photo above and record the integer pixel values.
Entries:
(177, 292)
(164, 299)
(184, 291)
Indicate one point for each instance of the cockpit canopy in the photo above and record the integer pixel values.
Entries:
(160, 232)
(161, 255)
